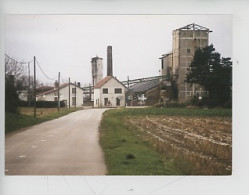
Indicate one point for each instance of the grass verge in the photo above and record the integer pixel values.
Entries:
(17, 121)
(127, 153)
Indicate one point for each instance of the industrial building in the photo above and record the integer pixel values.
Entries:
(175, 64)
(144, 93)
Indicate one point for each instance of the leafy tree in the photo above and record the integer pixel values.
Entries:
(213, 73)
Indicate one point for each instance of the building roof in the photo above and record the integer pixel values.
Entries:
(194, 27)
(105, 80)
(166, 54)
(102, 82)
(53, 90)
(144, 86)
(43, 89)
(96, 58)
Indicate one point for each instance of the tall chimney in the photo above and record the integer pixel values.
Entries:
(109, 61)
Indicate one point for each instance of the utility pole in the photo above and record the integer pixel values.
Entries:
(58, 90)
(75, 95)
(29, 85)
(90, 90)
(69, 92)
(34, 89)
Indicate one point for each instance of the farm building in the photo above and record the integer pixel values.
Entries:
(71, 94)
(109, 92)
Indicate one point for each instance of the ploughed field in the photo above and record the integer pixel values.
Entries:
(203, 144)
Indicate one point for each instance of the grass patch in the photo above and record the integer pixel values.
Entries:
(128, 153)
(17, 121)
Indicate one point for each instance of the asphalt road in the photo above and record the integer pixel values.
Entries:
(65, 146)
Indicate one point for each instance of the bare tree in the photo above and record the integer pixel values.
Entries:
(13, 67)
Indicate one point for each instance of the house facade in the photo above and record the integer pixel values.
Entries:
(109, 92)
(71, 94)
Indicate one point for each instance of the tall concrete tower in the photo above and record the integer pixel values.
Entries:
(109, 61)
(97, 69)
(186, 41)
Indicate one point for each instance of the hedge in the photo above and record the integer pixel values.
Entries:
(42, 104)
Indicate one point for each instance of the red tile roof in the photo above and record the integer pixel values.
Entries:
(53, 90)
(102, 82)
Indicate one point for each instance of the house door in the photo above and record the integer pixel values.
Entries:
(106, 101)
(117, 101)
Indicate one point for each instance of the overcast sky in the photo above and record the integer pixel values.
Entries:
(66, 43)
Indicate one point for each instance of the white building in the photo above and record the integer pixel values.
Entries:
(109, 92)
(73, 91)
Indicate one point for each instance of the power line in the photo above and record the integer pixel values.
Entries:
(63, 81)
(44, 72)
(18, 61)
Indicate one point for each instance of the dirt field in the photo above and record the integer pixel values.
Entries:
(39, 111)
(205, 142)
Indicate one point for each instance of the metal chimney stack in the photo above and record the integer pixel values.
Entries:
(109, 61)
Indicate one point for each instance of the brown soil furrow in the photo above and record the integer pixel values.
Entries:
(186, 151)
(207, 142)
(194, 135)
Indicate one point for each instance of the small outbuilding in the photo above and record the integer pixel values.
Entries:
(109, 92)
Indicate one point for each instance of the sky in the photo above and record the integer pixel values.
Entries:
(66, 43)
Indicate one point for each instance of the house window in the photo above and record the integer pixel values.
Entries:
(188, 50)
(105, 90)
(73, 90)
(73, 101)
(55, 98)
(118, 90)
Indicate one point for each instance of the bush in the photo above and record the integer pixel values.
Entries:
(210, 102)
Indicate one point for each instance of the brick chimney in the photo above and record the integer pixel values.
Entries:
(109, 61)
